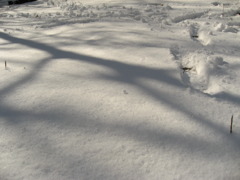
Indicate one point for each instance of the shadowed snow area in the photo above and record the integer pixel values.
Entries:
(120, 89)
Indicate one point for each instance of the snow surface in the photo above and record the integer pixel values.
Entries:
(120, 89)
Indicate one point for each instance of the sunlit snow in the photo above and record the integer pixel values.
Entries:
(120, 89)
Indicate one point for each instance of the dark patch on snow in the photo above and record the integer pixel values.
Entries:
(19, 1)
(186, 69)
(237, 13)
(216, 3)
(194, 36)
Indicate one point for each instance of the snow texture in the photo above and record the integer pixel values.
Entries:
(120, 89)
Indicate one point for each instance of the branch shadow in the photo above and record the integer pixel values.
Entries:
(124, 73)
(127, 72)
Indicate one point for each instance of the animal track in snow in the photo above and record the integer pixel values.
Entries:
(201, 70)
(193, 31)
(205, 73)
(199, 34)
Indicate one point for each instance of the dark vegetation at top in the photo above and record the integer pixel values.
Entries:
(19, 1)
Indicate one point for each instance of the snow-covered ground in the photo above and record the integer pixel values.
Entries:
(120, 89)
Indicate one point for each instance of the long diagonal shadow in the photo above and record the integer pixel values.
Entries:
(126, 73)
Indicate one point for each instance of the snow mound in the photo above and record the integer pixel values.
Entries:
(222, 27)
(203, 72)
(219, 27)
(193, 15)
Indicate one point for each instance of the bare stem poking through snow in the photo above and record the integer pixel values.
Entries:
(231, 124)
(6, 65)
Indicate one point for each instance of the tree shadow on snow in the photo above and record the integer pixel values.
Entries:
(124, 73)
